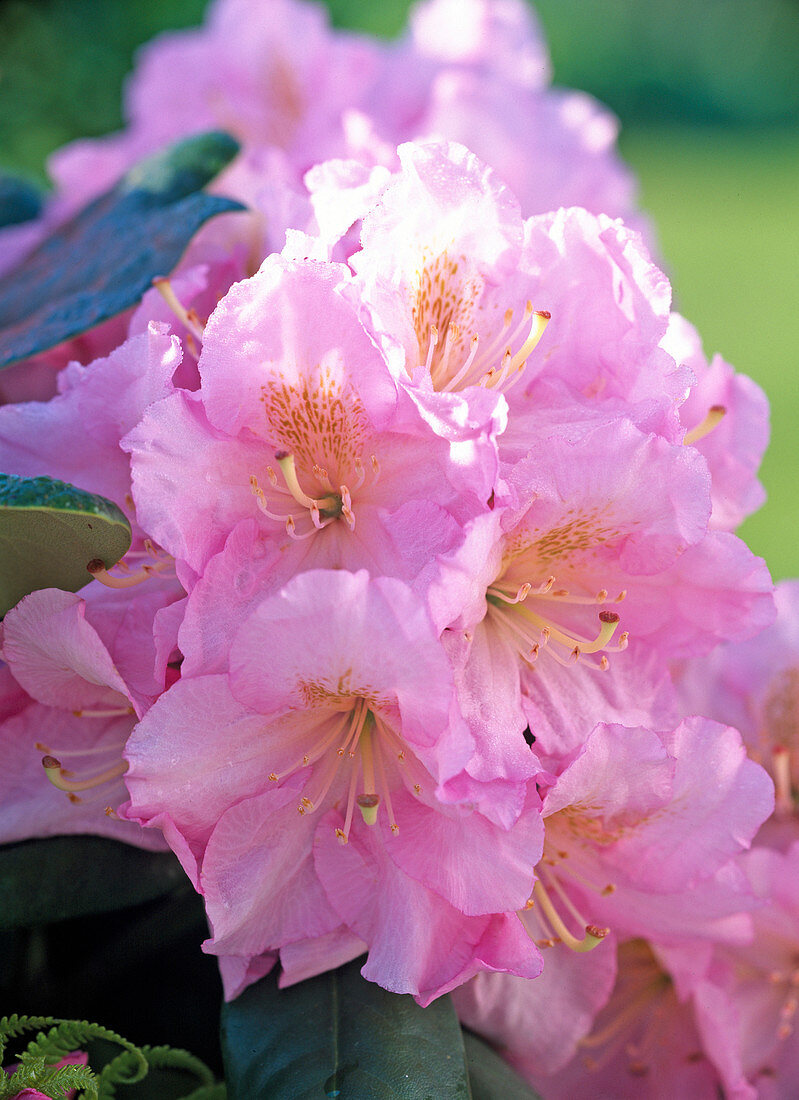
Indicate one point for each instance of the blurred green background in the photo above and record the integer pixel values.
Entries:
(708, 97)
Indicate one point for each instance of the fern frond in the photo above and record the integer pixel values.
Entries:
(164, 1057)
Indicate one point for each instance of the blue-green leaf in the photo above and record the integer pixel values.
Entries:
(20, 201)
(49, 532)
(338, 1035)
(490, 1077)
(104, 259)
(71, 876)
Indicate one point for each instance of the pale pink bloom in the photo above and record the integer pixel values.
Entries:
(733, 447)
(75, 436)
(86, 680)
(747, 1005)
(296, 425)
(494, 37)
(538, 1024)
(562, 314)
(755, 686)
(637, 839)
(644, 1045)
(542, 595)
(339, 703)
(277, 77)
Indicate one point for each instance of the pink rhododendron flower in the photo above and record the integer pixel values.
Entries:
(296, 425)
(747, 1003)
(635, 835)
(278, 78)
(339, 703)
(84, 684)
(755, 686)
(644, 1045)
(734, 447)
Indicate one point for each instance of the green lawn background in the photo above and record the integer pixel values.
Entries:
(708, 101)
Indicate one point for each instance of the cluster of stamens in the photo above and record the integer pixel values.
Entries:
(358, 737)
(63, 779)
(543, 918)
(333, 503)
(493, 364)
(533, 631)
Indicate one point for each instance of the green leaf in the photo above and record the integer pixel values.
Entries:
(20, 201)
(104, 259)
(70, 876)
(338, 1035)
(49, 532)
(490, 1076)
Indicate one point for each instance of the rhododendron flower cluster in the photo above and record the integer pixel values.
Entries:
(433, 642)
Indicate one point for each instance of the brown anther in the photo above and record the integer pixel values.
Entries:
(273, 777)
(73, 797)
(417, 789)
(609, 889)
(597, 932)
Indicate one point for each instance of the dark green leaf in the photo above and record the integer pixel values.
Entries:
(490, 1077)
(338, 1035)
(20, 201)
(49, 880)
(104, 259)
(49, 532)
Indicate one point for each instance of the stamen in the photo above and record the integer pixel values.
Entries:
(98, 570)
(60, 777)
(540, 320)
(714, 417)
(467, 366)
(110, 712)
(592, 937)
(431, 347)
(286, 463)
(188, 318)
(781, 772)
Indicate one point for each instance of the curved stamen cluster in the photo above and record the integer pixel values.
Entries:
(332, 504)
(543, 917)
(158, 562)
(490, 363)
(64, 780)
(533, 629)
(357, 737)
